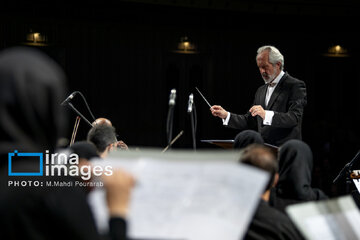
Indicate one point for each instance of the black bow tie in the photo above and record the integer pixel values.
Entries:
(271, 84)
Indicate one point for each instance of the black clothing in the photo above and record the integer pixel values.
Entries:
(247, 137)
(31, 120)
(84, 149)
(48, 212)
(269, 223)
(287, 101)
(295, 169)
(32, 87)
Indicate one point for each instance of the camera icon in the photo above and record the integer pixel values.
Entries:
(16, 154)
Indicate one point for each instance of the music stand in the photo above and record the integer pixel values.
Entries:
(227, 144)
(347, 171)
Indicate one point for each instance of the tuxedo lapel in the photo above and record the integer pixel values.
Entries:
(277, 91)
(262, 96)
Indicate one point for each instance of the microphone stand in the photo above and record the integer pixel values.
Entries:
(170, 116)
(193, 120)
(169, 123)
(347, 170)
(67, 103)
(78, 113)
(77, 120)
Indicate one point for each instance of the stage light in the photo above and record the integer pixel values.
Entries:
(186, 47)
(336, 51)
(36, 39)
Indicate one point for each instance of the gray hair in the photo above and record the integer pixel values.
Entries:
(275, 55)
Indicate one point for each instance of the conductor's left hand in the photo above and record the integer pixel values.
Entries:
(257, 110)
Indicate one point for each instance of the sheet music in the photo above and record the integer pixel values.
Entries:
(330, 219)
(188, 196)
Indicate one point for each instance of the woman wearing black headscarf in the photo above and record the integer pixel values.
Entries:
(31, 89)
(247, 137)
(295, 170)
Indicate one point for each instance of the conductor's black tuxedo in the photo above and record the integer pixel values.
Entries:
(287, 101)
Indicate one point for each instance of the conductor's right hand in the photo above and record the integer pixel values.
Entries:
(218, 111)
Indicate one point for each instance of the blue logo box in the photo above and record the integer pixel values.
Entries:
(16, 153)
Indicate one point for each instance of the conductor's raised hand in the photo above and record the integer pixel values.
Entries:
(257, 110)
(218, 111)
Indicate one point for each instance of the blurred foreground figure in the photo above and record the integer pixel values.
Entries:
(295, 171)
(267, 223)
(31, 89)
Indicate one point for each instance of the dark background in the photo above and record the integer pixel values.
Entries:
(119, 55)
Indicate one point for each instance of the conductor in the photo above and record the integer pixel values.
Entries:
(278, 106)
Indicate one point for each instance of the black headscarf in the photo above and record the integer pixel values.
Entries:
(31, 119)
(247, 137)
(84, 149)
(295, 170)
(31, 90)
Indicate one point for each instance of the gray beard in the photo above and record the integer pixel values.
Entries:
(271, 78)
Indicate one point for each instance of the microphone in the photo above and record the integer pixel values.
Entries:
(172, 97)
(71, 96)
(190, 103)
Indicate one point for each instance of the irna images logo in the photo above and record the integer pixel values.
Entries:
(55, 164)
(16, 154)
